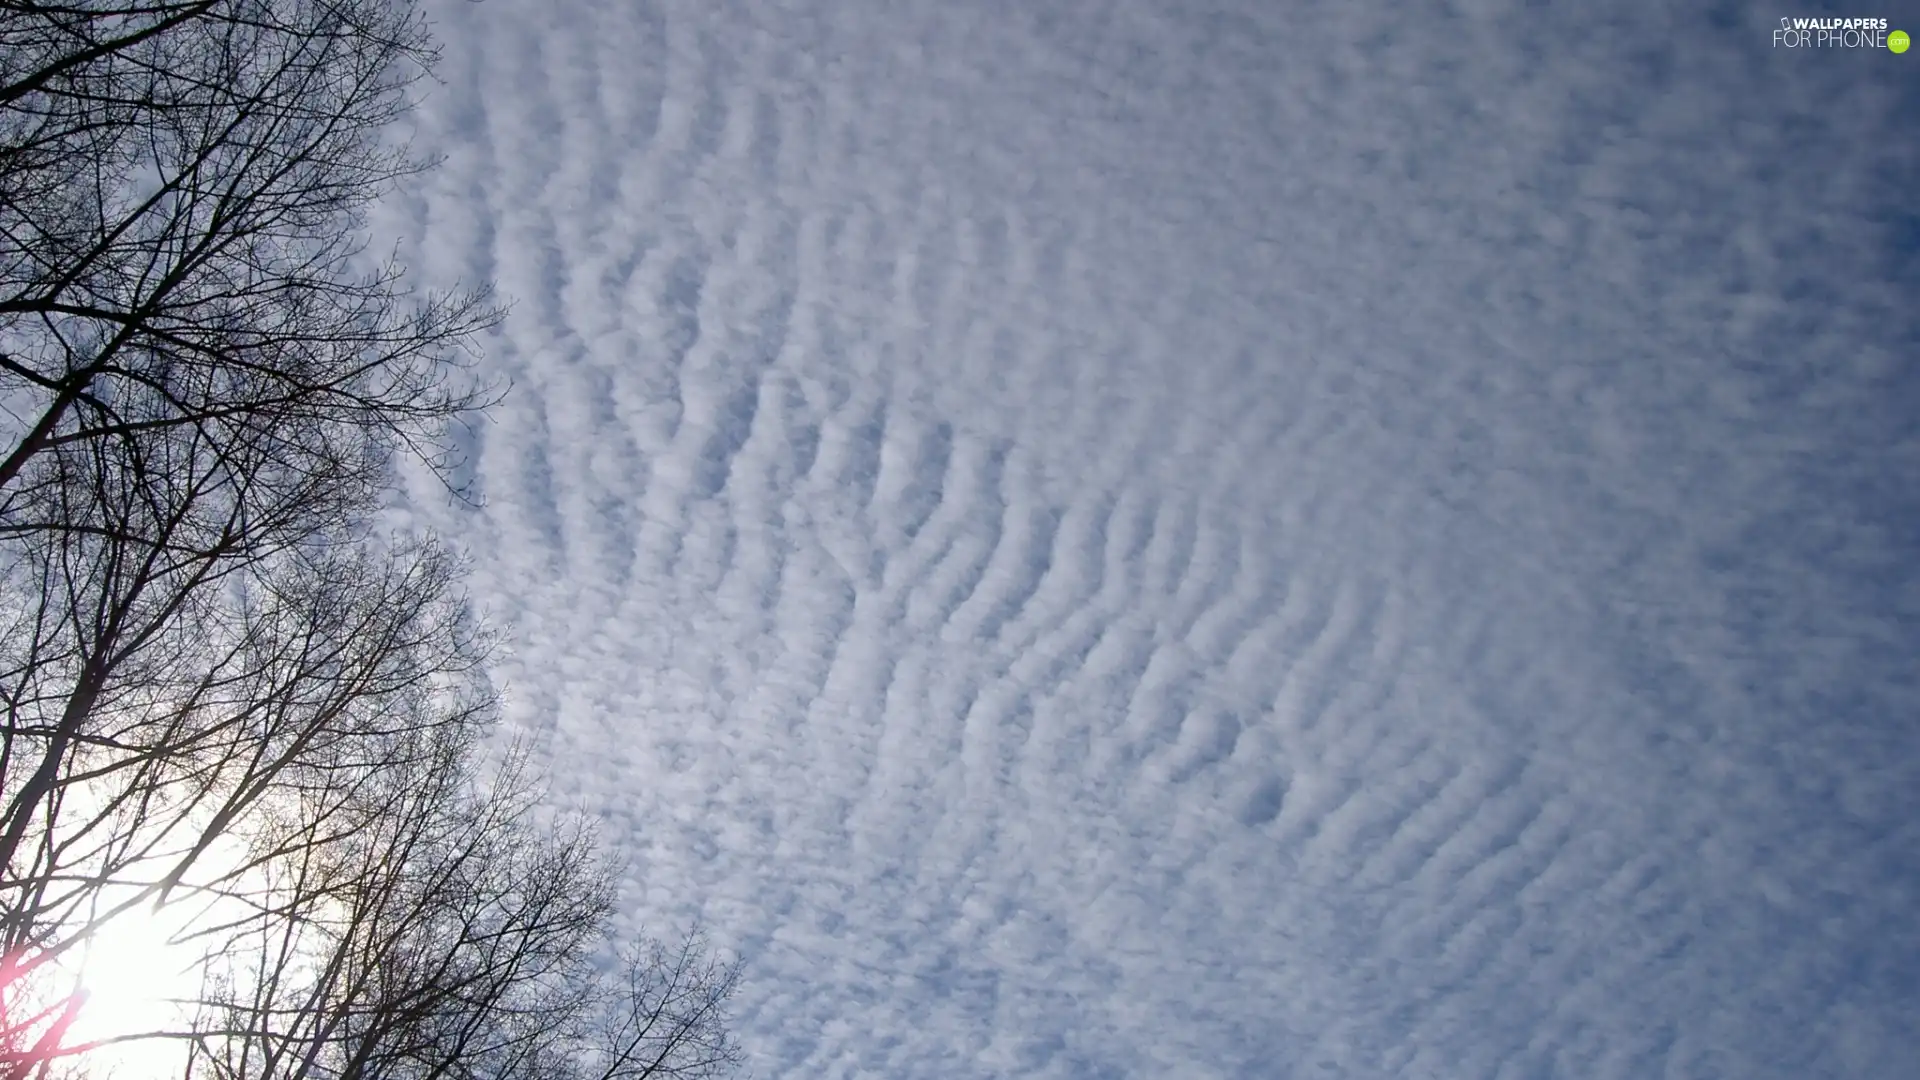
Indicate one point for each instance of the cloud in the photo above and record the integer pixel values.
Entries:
(1215, 540)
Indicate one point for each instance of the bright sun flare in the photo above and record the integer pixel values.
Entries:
(135, 971)
(140, 969)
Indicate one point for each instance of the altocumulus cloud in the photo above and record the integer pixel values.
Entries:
(1216, 539)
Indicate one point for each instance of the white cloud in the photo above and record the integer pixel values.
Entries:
(1213, 540)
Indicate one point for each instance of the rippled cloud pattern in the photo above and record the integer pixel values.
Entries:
(1213, 539)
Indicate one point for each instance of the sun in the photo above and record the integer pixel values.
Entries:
(142, 972)
(138, 973)
(142, 968)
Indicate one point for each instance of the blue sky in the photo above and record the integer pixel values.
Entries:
(1217, 540)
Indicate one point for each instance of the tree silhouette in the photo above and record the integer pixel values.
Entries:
(205, 645)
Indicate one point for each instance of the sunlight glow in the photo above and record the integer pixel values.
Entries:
(137, 972)
(140, 972)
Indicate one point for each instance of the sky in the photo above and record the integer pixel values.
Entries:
(1212, 539)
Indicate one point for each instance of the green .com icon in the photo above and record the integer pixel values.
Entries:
(1898, 41)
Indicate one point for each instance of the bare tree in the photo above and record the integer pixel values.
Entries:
(202, 387)
(206, 392)
(413, 923)
(204, 383)
(181, 189)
